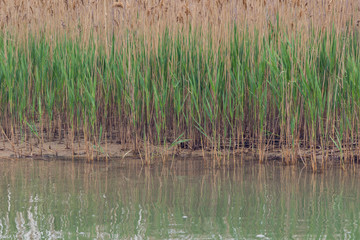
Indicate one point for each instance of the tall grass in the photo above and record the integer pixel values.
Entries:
(222, 84)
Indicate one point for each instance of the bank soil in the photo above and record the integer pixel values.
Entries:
(110, 151)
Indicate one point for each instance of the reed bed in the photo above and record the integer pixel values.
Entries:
(209, 75)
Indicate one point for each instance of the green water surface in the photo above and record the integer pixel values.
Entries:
(61, 199)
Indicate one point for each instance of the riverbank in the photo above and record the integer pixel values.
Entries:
(159, 154)
(219, 82)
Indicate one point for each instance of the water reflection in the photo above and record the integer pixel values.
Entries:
(114, 200)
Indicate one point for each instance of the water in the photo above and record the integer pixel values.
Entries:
(78, 200)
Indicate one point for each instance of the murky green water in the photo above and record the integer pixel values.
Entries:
(78, 200)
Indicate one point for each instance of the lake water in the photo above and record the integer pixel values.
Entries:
(183, 200)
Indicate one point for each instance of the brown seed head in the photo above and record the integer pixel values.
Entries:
(118, 5)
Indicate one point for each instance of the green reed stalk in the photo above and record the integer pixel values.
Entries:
(274, 90)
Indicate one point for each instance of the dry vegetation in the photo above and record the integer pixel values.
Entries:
(195, 74)
(84, 16)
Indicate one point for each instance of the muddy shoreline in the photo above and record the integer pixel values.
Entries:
(61, 150)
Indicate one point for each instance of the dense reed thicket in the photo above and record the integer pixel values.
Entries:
(217, 85)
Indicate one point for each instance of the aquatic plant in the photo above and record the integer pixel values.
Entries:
(217, 81)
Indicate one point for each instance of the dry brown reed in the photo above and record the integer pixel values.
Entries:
(84, 16)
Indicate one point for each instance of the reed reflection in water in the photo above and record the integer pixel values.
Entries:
(184, 199)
